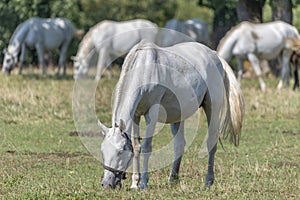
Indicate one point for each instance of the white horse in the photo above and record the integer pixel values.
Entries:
(110, 40)
(179, 79)
(256, 42)
(43, 34)
(195, 29)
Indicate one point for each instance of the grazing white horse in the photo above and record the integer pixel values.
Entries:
(42, 34)
(179, 79)
(256, 42)
(110, 40)
(195, 29)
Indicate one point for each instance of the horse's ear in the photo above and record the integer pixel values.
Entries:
(74, 58)
(122, 125)
(103, 128)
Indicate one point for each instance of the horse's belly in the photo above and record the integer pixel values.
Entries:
(176, 111)
(53, 42)
(269, 49)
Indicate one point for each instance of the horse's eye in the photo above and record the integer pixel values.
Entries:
(120, 152)
(8, 60)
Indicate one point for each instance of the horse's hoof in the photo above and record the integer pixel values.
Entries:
(173, 178)
(134, 187)
(208, 184)
(143, 186)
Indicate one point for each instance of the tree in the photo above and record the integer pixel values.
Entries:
(250, 10)
(225, 17)
(282, 10)
(83, 13)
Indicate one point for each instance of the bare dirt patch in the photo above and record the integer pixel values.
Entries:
(291, 132)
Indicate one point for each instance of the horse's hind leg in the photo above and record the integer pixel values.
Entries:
(255, 64)
(212, 111)
(179, 144)
(40, 51)
(240, 69)
(285, 70)
(296, 85)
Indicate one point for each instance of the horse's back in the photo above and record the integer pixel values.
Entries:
(51, 32)
(193, 29)
(185, 75)
(122, 36)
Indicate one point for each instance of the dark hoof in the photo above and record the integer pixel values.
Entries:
(174, 178)
(209, 184)
(143, 186)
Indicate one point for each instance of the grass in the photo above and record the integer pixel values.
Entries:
(41, 160)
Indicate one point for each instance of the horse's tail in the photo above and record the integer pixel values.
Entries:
(235, 106)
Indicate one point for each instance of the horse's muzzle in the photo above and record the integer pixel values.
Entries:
(112, 183)
(6, 71)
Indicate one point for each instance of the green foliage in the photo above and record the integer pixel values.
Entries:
(86, 13)
(82, 13)
(188, 9)
(158, 11)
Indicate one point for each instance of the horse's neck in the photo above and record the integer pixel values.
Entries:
(18, 38)
(226, 45)
(86, 47)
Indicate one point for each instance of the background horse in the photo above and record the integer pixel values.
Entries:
(260, 41)
(168, 85)
(43, 34)
(110, 40)
(294, 60)
(195, 29)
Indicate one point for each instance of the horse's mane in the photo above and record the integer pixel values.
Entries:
(85, 44)
(230, 32)
(130, 58)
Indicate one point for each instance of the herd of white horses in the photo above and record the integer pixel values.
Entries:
(167, 67)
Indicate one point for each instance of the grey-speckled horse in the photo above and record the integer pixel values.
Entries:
(195, 29)
(256, 42)
(42, 34)
(168, 85)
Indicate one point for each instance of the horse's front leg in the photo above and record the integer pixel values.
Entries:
(151, 119)
(179, 144)
(285, 70)
(135, 138)
(103, 56)
(22, 58)
(255, 64)
(240, 69)
(40, 51)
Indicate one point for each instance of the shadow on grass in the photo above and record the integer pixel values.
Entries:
(47, 76)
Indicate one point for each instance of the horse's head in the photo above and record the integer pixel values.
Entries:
(117, 152)
(80, 67)
(9, 62)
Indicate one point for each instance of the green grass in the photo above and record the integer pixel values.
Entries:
(40, 160)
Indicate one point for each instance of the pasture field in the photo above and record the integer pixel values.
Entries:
(42, 159)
